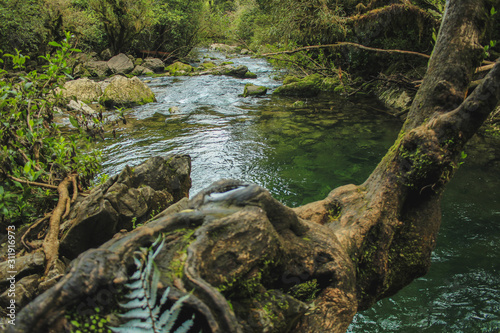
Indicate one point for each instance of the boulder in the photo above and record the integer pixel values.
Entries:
(106, 54)
(124, 201)
(245, 51)
(81, 107)
(310, 86)
(154, 64)
(179, 68)
(141, 70)
(229, 70)
(250, 75)
(224, 47)
(97, 68)
(120, 64)
(82, 89)
(253, 90)
(122, 91)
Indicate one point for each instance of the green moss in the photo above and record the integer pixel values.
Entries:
(95, 323)
(306, 291)
(253, 90)
(178, 68)
(227, 63)
(250, 75)
(309, 86)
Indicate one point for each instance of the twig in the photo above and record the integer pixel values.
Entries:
(32, 183)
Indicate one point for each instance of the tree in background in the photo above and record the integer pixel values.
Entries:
(123, 20)
(176, 27)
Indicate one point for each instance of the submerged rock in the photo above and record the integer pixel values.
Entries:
(253, 90)
(122, 91)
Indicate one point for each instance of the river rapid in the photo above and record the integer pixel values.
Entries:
(300, 153)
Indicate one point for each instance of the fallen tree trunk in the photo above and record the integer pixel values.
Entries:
(255, 265)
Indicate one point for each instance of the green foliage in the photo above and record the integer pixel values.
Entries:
(143, 309)
(306, 291)
(122, 20)
(176, 27)
(32, 147)
(94, 323)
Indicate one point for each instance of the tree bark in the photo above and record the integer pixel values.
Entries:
(254, 265)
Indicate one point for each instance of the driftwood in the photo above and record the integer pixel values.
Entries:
(243, 255)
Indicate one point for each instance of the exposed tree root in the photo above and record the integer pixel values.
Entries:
(51, 241)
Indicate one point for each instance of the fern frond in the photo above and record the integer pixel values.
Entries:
(143, 310)
(185, 326)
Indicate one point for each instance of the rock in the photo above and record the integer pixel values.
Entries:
(106, 55)
(245, 51)
(141, 70)
(207, 65)
(253, 90)
(309, 86)
(79, 106)
(98, 68)
(229, 70)
(138, 61)
(250, 75)
(154, 64)
(179, 68)
(134, 193)
(173, 109)
(224, 47)
(120, 64)
(26, 290)
(82, 89)
(395, 98)
(126, 92)
(24, 264)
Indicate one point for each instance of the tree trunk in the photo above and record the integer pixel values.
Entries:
(254, 265)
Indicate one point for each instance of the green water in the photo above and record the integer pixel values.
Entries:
(300, 154)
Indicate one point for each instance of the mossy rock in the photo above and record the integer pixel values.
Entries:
(250, 75)
(122, 91)
(207, 65)
(290, 79)
(310, 86)
(253, 90)
(179, 68)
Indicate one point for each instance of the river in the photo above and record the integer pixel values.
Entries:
(300, 154)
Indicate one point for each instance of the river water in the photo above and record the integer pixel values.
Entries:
(300, 153)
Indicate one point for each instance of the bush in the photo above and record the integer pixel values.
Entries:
(34, 155)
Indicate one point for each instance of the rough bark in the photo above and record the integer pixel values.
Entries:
(234, 242)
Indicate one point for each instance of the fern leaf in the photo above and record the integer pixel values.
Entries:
(143, 309)
(137, 323)
(136, 314)
(168, 318)
(185, 326)
(138, 293)
(154, 283)
(135, 303)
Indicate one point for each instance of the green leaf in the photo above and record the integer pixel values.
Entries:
(74, 122)
(55, 44)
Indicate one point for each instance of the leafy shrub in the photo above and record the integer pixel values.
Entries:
(33, 148)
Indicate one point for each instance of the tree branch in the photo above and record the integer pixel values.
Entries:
(27, 182)
(339, 44)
